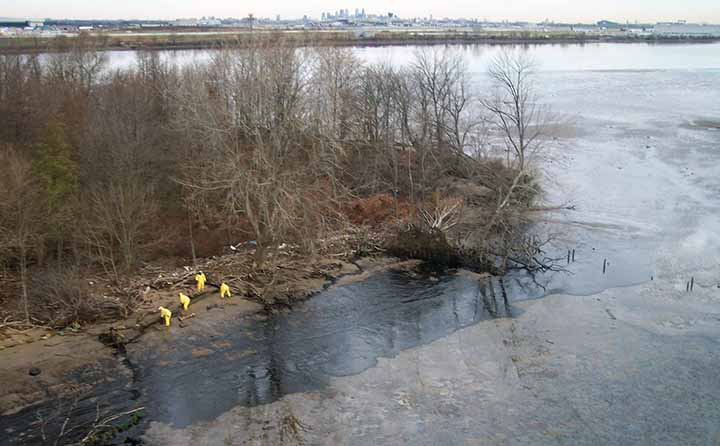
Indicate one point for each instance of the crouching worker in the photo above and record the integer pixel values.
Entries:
(184, 301)
(165, 314)
(225, 290)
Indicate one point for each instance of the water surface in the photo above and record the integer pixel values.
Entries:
(341, 332)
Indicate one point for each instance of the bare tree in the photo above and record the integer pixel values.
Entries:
(117, 219)
(515, 108)
(21, 214)
(254, 164)
(443, 93)
(80, 63)
(332, 90)
(20, 91)
(499, 227)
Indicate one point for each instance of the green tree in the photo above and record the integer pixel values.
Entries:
(57, 172)
(54, 165)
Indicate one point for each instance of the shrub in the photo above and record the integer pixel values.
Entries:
(60, 296)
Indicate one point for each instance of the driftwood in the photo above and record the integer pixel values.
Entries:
(241, 284)
(170, 282)
(176, 308)
(113, 337)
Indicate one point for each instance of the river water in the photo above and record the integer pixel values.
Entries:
(637, 156)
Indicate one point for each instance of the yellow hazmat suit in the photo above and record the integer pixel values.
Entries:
(224, 289)
(184, 301)
(200, 279)
(165, 314)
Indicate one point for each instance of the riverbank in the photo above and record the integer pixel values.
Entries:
(214, 39)
(41, 364)
(44, 368)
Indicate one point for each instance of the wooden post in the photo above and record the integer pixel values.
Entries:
(604, 265)
(573, 255)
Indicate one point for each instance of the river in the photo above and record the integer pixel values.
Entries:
(624, 356)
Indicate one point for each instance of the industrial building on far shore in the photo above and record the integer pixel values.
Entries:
(682, 29)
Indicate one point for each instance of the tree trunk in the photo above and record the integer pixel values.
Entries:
(192, 241)
(59, 248)
(260, 252)
(23, 282)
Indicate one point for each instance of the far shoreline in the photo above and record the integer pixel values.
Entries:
(201, 40)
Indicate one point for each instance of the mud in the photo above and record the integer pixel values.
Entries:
(560, 372)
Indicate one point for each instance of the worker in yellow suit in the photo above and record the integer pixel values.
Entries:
(184, 301)
(225, 289)
(165, 314)
(200, 279)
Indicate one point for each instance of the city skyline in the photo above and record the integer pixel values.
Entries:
(647, 11)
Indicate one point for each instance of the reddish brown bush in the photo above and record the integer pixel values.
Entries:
(376, 210)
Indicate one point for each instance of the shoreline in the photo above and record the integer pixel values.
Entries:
(54, 352)
(200, 41)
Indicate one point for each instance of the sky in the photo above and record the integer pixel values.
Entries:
(705, 11)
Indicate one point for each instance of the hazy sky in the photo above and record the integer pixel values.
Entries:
(533, 10)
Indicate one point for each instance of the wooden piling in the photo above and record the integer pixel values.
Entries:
(604, 265)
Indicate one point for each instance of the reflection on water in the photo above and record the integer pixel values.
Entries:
(574, 57)
(550, 57)
(341, 332)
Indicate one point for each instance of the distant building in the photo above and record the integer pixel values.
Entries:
(211, 21)
(681, 29)
(205, 21)
(607, 24)
(187, 22)
(21, 23)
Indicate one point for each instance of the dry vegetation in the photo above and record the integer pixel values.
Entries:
(107, 171)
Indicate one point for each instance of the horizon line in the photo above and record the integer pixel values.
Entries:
(483, 20)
